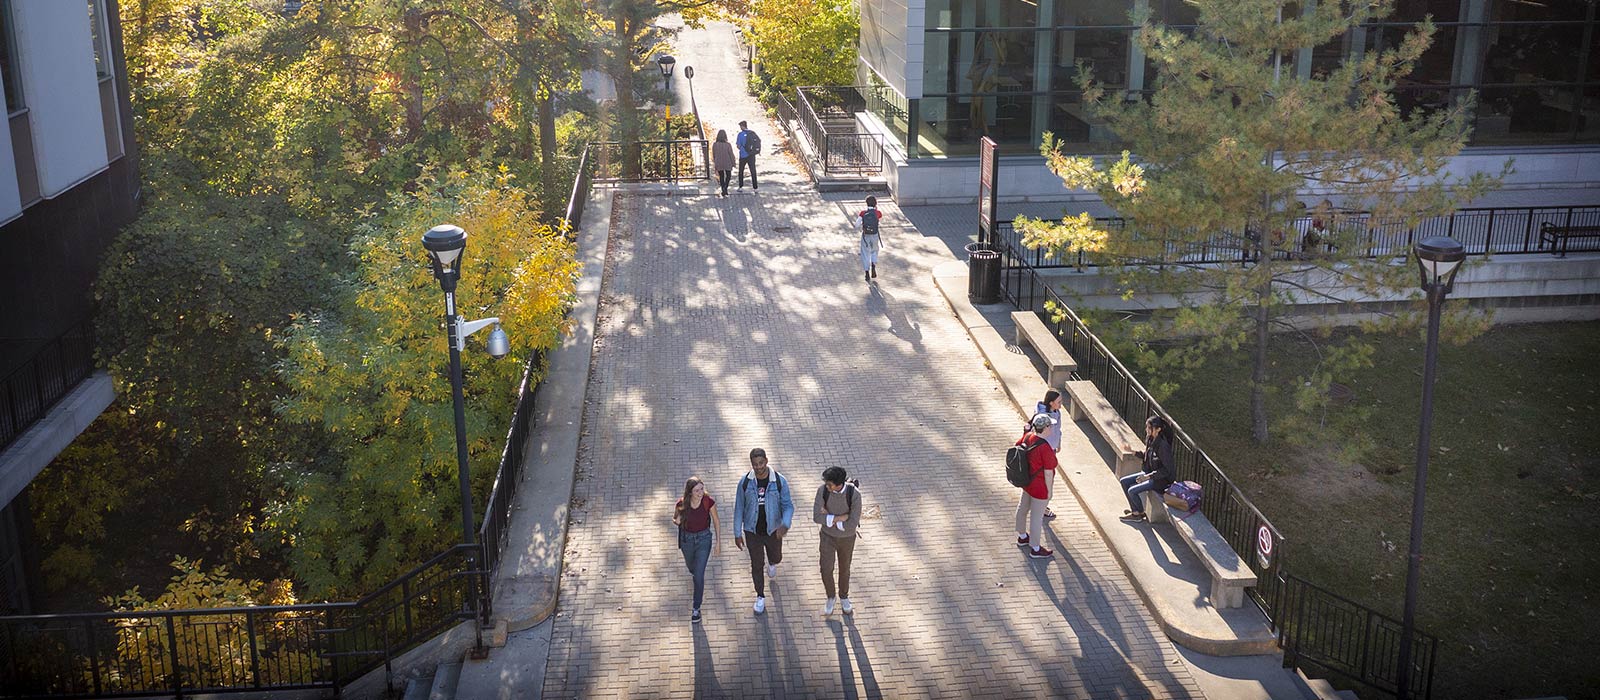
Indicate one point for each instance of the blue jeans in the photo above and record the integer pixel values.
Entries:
(696, 548)
(1133, 490)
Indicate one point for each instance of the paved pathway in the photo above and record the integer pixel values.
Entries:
(731, 324)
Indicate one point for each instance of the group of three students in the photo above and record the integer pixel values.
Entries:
(763, 511)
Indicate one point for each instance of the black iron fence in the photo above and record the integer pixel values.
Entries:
(1316, 627)
(1321, 629)
(29, 391)
(1483, 231)
(284, 647)
(650, 161)
(494, 532)
(827, 118)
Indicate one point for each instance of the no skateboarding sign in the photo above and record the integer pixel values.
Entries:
(1264, 545)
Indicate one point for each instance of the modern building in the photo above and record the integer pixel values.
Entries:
(949, 72)
(68, 181)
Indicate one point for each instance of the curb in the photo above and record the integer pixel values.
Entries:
(1168, 590)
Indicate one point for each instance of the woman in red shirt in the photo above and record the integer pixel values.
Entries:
(1036, 497)
(696, 518)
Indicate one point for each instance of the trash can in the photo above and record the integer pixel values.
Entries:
(983, 274)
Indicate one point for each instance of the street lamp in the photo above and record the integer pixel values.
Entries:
(445, 244)
(1438, 260)
(666, 63)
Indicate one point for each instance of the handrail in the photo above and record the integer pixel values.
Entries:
(30, 390)
(1347, 645)
(1482, 230)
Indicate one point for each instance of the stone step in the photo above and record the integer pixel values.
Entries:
(1321, 689)
(852, 184)
(445, 680)
(418, 688)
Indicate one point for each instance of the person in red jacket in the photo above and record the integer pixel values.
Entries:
(1036, 497)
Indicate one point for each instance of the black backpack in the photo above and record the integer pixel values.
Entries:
(1019, 468)
(752, 143)
(869, 222)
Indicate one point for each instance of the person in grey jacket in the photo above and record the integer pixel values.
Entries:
(722, 160)
(763, 510)
(838, 510)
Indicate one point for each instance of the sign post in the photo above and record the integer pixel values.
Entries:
(988, 176)
(1264, 547)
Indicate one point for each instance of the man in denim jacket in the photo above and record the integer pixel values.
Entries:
(763, 509)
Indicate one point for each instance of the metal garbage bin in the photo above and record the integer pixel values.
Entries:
(983, 274)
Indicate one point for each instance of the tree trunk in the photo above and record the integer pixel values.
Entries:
(547, 145)
(1258, 375)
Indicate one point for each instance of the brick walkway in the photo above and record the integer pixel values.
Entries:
(731, 324)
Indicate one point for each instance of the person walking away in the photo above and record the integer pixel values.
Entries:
(1036, 496)
(699, 532)
(749, 147)
(763, 509)
(1051, 406)
(838, 510)
(722, 159)
(1156, 474)
(867, 221)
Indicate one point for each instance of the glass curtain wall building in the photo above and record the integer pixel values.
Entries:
(1007, 69)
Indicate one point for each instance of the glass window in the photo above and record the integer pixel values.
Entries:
(1105, 51)
(1529, 53)
(1589, 117)
(97, 34)
(1437, 63)
(952, 124)
(988, 62)
(8, 60)
(1537, 11)
(1072, 123)
(1093, 13)
(974, 14)
(1415, 10)
(1176, 13)
(1525, 114)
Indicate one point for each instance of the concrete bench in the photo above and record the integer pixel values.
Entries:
(1032, 331)
(1229, 574)
(1088, 403)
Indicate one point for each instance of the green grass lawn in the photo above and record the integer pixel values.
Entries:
(1510, 564)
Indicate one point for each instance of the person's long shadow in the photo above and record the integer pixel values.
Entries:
(869, 680)
(882, 302)
(705, 667)
(847, 670)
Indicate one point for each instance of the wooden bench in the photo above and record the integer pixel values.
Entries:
(1229, 574)
(1550, 234)
(1032, 331)
(1088, 403)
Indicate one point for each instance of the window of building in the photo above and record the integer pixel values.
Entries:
(98, 35)
(8, 60)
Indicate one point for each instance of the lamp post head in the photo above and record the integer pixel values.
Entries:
(444, 244)
(1438, 260)
(666, 64)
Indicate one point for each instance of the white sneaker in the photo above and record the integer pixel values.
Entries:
(761, 604)
(772, 571)
(828, 608)
(845, 603)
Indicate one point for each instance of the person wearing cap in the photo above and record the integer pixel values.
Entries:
(763, 510)
(837, 509)
(1036, 497)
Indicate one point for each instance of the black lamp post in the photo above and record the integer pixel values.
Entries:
(1438, 260)
(666, 63)
(445, 245)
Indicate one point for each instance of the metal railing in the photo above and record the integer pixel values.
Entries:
(827, 118)
(494, 532)
(651, 161)
(29, 391)
(1319, 628)
(1315, 626)
(1483, 231)
(582, 180)
(282, 647)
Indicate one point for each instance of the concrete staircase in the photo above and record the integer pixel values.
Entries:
(1320, 689)
(439, 686)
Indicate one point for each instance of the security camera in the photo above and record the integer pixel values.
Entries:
(499, 345)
